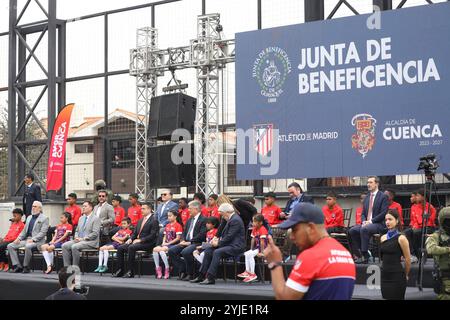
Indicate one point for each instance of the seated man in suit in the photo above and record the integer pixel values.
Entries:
(296, 196)
(33, 236)
(193, 235)
(67, 283)
(32, 193)
(144, 238)
(86, 236)
(375, 207)
(105, 212)
(230, 244)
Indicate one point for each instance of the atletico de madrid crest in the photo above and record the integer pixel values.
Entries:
(263, 138)
(363, 140)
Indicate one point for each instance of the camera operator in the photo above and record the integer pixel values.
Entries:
(438, 245)
(67, 289)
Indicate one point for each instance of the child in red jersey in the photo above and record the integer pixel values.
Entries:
(172, 235)
(183, 210)
(73, 209)
(119, 211)
(271, 212)
(118, 239)
(63, 232)
(213, 209)
(359, 210)
(212, 223)
(334, 215)
(134, 211)
(259, 242)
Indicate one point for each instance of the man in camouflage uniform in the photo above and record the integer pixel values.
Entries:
(101, 185)
(438, 245)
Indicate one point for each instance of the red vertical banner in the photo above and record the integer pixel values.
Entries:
(57, 152)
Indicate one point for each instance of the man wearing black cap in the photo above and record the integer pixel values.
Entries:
(324, 269)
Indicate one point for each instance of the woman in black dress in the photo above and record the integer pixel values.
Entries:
(393, 246)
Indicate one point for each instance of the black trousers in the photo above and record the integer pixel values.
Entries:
(187, 266)
(336, 230)
(414, 237)
(211, 260)
(3, 257)
(131, 250)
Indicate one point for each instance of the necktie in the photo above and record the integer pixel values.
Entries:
(144, 221)
(83, 226)
(369, 212)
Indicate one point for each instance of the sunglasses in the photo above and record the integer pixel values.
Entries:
(163, 194)
(102, 196)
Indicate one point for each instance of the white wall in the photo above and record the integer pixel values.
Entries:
(79, 170)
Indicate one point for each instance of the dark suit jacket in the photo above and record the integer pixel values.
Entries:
(233, 234)
(380, 207)
(29, 196)
(65, 294)
(149, 233)
(199, 234)
(304, 198)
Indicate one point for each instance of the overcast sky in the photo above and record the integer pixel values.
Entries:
(176, 23)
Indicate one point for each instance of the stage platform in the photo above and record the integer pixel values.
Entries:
(37, 286)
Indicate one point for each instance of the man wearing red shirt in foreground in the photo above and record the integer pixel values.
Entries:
(414, 233)
(73, 209)
(394, 205)
(134, 211)
(324, 269)
(14, 231)
(334, 215)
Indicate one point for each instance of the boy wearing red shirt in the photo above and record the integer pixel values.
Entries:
(14, 231)
(358, 219)
(73, 209)
(118, 210)
(394, 205)
(213, 209)
(183, 210)
(414, 233)
(271, 212)
(212, 223)
(334, 215)
(134, 211)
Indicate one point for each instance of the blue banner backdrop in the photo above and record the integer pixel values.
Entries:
(347, 100)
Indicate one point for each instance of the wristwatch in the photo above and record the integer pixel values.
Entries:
(274, 265)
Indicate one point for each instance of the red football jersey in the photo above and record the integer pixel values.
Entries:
(211, 212)
(417, 213)
(260, 235)
(272, 214)
(172, 230)
(326, 271)
(359, 215)
(120, 214)
(333, 217)
(14, 231)
(211, 234)
(123, 234)
(75, 212)
(185, 215)
(135, 214)
(398, 207)
(61, 230)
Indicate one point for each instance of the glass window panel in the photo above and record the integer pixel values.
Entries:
(277, 13)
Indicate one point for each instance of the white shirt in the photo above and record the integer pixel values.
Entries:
(99, 209)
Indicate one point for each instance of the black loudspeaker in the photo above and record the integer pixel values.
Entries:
(170, 112)
(164, 173)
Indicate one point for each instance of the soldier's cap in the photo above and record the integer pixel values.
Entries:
(304, 213)
(444, 214)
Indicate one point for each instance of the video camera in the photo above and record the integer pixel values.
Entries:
(429, 164)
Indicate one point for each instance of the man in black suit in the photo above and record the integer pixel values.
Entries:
(193, 235)
(296, 196)
(144, 238)
(375, 207)
(230, 244)
(67, 283)
(31, 194)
